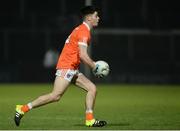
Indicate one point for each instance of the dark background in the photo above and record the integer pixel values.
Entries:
(140, 39)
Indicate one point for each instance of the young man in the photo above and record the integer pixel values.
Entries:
(75, 49)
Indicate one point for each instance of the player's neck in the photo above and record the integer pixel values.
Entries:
(88, 25)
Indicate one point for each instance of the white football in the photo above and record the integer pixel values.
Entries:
(103, 68)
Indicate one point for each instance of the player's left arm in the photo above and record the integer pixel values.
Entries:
(85, 57)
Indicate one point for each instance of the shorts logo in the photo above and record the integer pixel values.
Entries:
(69, 75)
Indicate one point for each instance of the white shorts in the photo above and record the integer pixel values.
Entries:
(67, 74)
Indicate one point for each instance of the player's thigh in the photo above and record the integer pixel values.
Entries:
(84, 83)
(60, 85)
(62, 80)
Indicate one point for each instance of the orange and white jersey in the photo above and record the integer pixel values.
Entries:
(69, 57)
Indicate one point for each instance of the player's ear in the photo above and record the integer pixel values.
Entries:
(88, 17)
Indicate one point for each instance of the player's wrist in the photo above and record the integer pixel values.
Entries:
(94, 65)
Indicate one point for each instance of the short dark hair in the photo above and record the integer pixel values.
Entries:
(88, 10)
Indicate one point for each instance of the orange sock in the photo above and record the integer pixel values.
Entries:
(89, 116)
(25, 108)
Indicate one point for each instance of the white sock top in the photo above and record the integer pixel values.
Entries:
(29, 105)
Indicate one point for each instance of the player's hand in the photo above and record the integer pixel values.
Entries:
(99, 76)
(95, 69)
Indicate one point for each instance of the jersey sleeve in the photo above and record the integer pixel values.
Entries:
(83, 38)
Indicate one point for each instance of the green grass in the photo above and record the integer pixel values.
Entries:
(125, 107)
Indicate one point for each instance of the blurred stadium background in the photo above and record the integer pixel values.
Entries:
(139, 39)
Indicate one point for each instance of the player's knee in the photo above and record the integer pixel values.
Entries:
(55, 97)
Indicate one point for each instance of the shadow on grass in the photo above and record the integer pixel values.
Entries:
(118, 124)
(109, 124)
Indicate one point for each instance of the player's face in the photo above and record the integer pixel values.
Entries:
(95, 19)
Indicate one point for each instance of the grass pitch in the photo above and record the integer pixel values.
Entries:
(125, 107)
